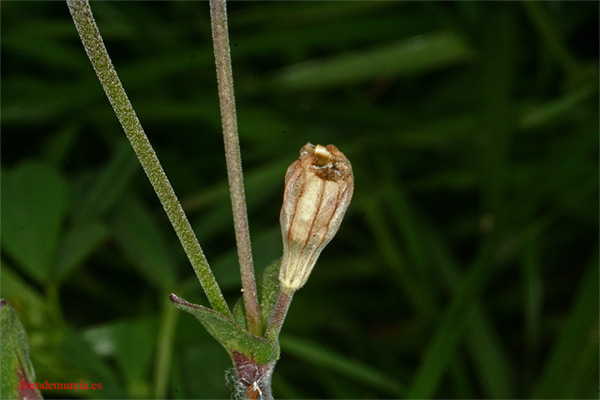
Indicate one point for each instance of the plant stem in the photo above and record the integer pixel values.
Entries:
(164, 350)
(94, 46)
(279, 313)
(249, 373)
(218, 16)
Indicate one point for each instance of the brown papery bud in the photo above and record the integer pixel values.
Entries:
(318, 189)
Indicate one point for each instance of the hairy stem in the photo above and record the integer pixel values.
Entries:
(218, 16)
(279, 313)
(253, 381)
(94, 46)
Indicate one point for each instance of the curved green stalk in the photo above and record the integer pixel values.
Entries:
(94, 46)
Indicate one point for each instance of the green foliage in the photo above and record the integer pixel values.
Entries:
(233, 337)
(15, 364)
(34, 206)
(466, 266)
(267, 286)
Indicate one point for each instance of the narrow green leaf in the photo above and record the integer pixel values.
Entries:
(489, 358)
(552, 110)
(451, 326)
(15, 365)
(583, 377)
(416, 55)
(485, 348)
(134, 345)
(57, 147)
(392, 254)
(35, 201)
(239, 313)
(580, 322)
(354, 369)
(459, 378)
(231, 336)
(268, 290)
(79, 242)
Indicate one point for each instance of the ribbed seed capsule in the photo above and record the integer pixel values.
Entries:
(318, 189)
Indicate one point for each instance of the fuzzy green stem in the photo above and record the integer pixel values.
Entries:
(218, 16)
(279, 312)
(94, 46)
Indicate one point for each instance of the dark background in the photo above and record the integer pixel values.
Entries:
(467, 264)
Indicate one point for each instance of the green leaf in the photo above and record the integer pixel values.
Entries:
(35, 200)
(23, 294)
(131, 343)
(56, 149)
(230, 335)
(489, 358)
(141, 239)
(79, 242)
(15, 366)
(239, 313)
(268, 290)
(579, 328)
(416, 55)
(451, 326)
(110, 184)
(352, 368)
(77, 354)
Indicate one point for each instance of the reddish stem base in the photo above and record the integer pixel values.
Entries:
(253, 381)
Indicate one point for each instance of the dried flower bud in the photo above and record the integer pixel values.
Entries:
(318, 189)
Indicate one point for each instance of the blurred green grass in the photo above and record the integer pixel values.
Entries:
(467, 266)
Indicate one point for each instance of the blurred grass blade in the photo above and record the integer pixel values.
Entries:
(134, 346)
(130, 343)
(492, 365)
(164, 350)
(485, 349)
(418, 54)
(78, 243)
(17, 290)
(76, 354)
(583, 378)
(459, 377)
(137, 233)
(35, 201)
(110, 184)
(552, 38)
(57, 147)
(556, 108)
(410, 287)
(323, 357)
(580, 326)
(450, 329)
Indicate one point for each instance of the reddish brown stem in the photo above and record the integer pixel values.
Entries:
(218, 16)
